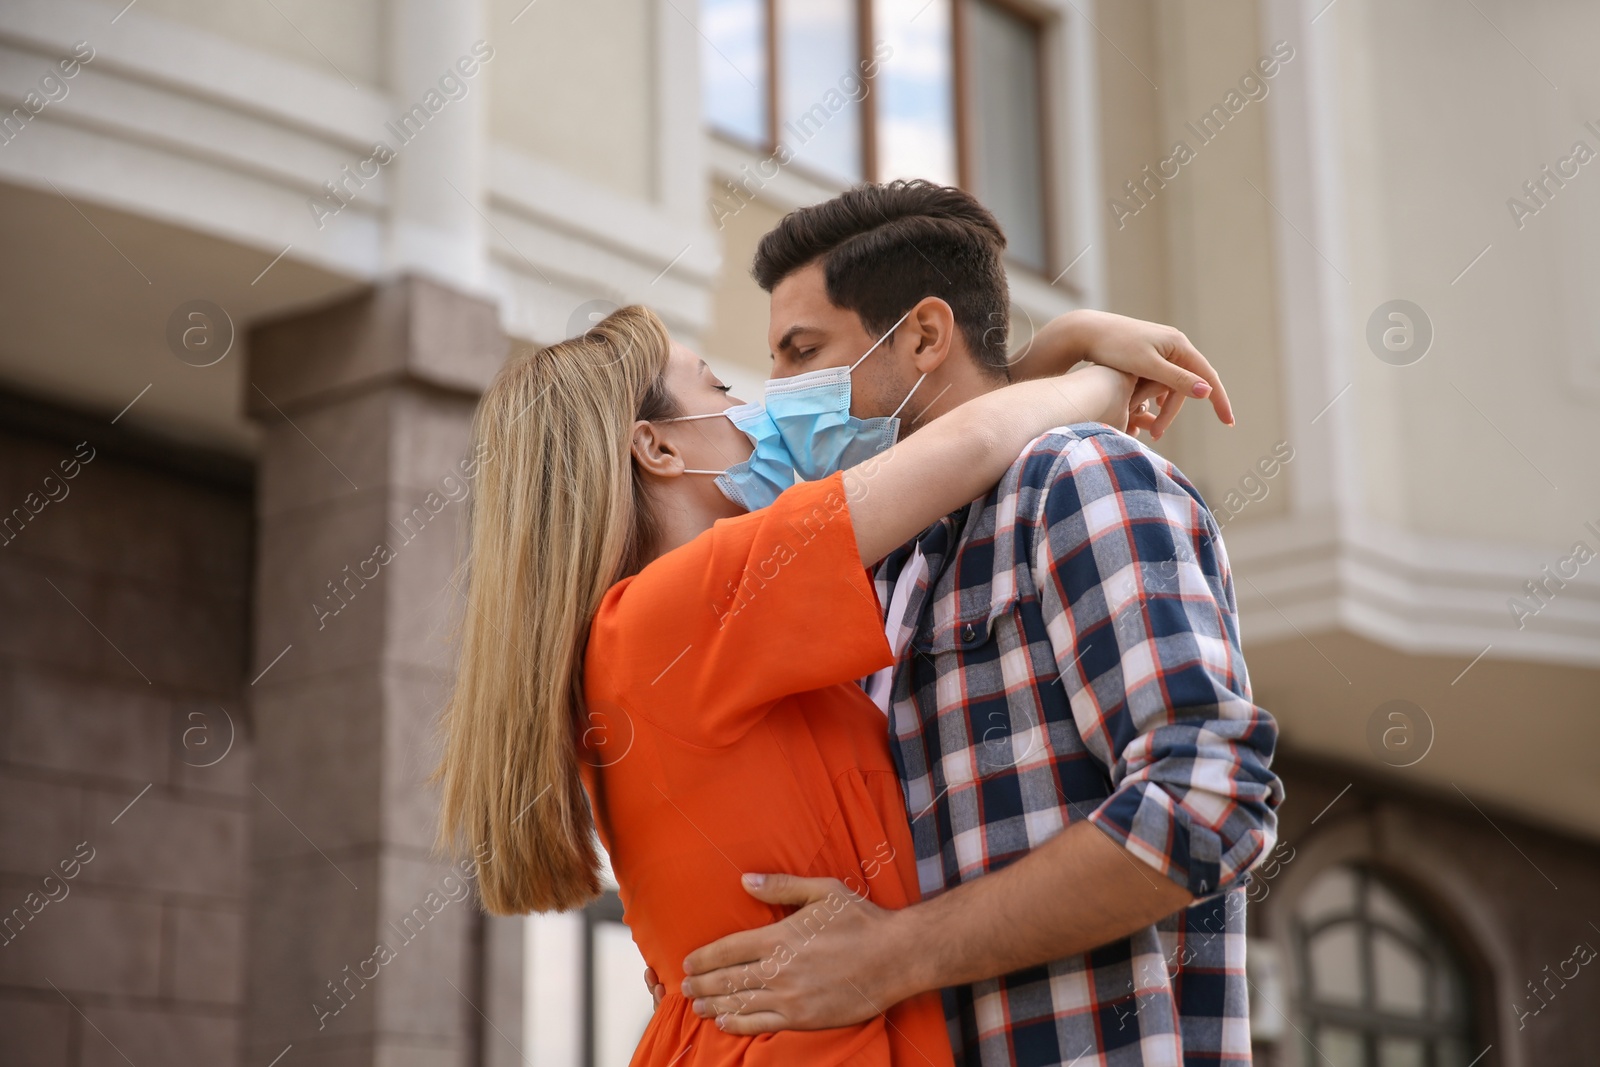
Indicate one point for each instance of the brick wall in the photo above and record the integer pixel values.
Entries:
(123, 633)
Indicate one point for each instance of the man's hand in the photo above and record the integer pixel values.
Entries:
(835, 961)
(840, 959)
(1144, 349)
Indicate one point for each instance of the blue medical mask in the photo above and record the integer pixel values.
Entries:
(804, 432)
(812, 413)
(756, 482)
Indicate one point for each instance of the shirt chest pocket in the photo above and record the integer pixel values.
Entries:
(992, 673)
(965, 620)
(974, 658)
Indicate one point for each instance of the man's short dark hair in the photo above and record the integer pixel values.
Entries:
(885, 247)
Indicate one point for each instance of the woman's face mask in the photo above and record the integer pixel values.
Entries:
(804, 432)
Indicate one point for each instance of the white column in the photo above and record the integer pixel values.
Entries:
(552, 1014)
(681, 174)
(437, 190)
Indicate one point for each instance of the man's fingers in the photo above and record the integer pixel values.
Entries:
(744, 1002)
(788, 889)
(735, 950)
(746, 1024)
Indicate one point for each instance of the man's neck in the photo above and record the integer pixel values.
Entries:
(959, 380)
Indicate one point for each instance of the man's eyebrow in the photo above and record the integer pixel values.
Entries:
(787, 340)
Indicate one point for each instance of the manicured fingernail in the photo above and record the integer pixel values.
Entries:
(699, 1007)
(755, 881)
(1202, 388)
(685, 987)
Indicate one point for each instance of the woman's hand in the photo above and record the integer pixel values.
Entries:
(1105, 395)
(657, 990)
(1148, 350)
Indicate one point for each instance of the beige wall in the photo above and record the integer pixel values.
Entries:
(738, 334)
(1136, 261)
(575, 85)
(1434, 141)
(335, 38)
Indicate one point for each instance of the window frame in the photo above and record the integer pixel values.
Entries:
(961, 39)
(1043, 25)
(1372, 1023)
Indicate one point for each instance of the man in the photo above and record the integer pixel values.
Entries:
(1086, 775)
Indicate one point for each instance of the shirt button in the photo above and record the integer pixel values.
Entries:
(968, 632)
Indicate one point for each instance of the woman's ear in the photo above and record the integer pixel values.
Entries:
(933, 325)
(654, 453)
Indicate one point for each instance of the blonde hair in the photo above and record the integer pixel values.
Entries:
(558, 515)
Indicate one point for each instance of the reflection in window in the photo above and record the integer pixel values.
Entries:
(820, 87)
(1006, 153)
(852, 90)
(1380, 987)
(916, 106)
(733, 67)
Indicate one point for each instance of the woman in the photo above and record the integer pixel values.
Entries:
(638, 646)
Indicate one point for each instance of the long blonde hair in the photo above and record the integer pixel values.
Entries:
(558, 515)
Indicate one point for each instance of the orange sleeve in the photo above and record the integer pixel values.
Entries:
(706, 638)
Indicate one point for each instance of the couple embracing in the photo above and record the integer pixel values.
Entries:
(909, 705)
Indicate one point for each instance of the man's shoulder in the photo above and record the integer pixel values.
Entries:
(1089, 460)
(1061, 451)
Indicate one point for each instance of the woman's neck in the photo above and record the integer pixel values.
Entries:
(681, 516)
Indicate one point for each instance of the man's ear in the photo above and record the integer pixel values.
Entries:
(933, 326)
(653, 452)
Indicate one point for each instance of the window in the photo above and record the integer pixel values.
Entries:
(1379, 986)
(1007, 171)
(852, 90)
(733, 68)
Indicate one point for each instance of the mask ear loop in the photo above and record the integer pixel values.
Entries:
(691, 418)
(909, 395)
(880, 340)
(874, 348)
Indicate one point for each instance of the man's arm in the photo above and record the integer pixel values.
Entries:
(853, 962)
(1135, 595)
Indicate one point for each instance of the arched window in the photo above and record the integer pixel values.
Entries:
(1379, 986)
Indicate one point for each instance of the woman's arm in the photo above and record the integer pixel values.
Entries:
(959, 456)
(1144, 349)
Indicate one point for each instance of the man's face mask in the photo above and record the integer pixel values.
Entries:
(805, 432)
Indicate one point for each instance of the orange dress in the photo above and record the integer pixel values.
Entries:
(726, 735)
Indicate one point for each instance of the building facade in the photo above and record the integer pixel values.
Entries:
(258, 260)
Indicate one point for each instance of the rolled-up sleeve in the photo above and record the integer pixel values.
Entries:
(1139, 607)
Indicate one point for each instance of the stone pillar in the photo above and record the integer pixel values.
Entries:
(359, 952)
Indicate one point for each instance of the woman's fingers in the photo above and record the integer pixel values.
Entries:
(1140, 417)
(652, 983)
(1171, 404)
(1170, 372)
(1184, 354)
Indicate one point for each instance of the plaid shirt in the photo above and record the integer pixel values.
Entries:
(1075, 655)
